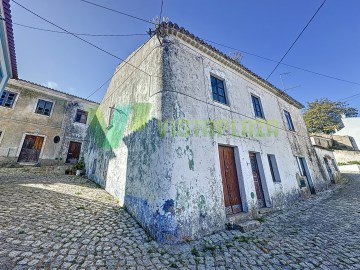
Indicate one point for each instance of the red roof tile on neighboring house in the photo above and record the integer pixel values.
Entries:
(10, 37)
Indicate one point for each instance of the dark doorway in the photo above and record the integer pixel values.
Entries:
(73, 152)
(31, 149)
(328, 168)
(257, 180)
(229, 180)
(304, 171)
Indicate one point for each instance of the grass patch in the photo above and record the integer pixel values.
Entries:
(195, 252)
(77, 193)
(81, 207)
(261, 219)
(173, 265)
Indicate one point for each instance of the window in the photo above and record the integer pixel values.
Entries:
(257, 107)
(274, 168)
(81, 117)
(7, 99)
(289, 121)
(44, 107)
(111, 114)
(218, 90)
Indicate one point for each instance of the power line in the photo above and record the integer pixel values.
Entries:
(292, 66)
(292, 45)
(84, 40)
(116, 11)
(78, 34)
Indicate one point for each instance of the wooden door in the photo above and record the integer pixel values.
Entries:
(257, 181)
(229, 180)
(31, 149)
(73, 152)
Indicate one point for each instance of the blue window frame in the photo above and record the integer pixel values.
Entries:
(218, 90)
(289, 121)
(7, 99)
(257, 107)
(44, 107)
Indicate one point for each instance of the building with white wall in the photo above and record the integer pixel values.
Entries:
(352, 129)
(186, 138)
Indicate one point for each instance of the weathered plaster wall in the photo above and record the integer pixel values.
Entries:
(344, 156)
(329, 155)
(196, 177)
(167, 173)
(21, 119)
(125, 155)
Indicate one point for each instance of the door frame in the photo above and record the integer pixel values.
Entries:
(68, 146)
(22, 143)
(262, 177)
(309, 180)
(239, 174)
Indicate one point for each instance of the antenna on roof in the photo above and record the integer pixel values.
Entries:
(282, 82)
(236, 56)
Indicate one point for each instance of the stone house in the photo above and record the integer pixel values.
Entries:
(39, 125)
(324, 147)
(188, 139)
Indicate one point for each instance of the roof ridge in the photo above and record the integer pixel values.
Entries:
(171, 25)
(55, 90)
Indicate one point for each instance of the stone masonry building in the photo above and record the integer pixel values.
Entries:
(188, 139)
(39, 125)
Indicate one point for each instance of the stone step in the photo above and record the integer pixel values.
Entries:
(248, 226)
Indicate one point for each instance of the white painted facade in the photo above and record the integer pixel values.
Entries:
(173, 185)
(352, 129)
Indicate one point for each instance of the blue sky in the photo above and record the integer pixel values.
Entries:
(330, 45)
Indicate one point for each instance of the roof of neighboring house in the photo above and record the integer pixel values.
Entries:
(174, 29)
(51, 89)
(10, 37)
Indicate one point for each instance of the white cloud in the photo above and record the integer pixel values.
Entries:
(51, 84)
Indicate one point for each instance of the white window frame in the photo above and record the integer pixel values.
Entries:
(15, 101)
(48, 100)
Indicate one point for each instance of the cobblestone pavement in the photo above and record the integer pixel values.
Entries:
(64, 222)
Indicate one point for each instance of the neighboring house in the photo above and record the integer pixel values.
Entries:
(39, 125)
(8, 67)
(352, 129)
(187, 139)
(324, 146)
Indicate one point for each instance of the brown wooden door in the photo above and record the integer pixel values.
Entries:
(73, 152)
(31, 149)
(257, 180)
(229, 180)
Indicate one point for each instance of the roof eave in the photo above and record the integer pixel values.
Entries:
(173, 29)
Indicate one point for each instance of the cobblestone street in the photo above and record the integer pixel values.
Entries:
(64, 222)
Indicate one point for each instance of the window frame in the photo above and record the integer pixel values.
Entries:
(290, 125)
(76, 114)
(46, 100)
(14, 100)
(257, 98)
(274, 169)
(225, 96)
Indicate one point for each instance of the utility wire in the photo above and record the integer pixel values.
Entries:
(78, 34)
(292, 45)
(84, 40)
(116, 11)
(292, 66)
